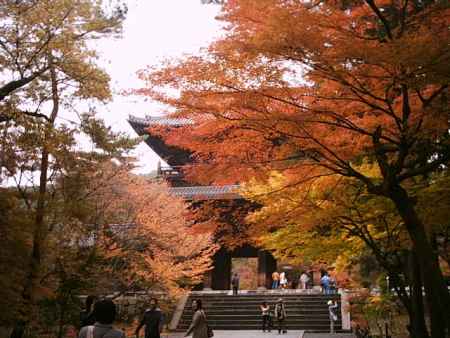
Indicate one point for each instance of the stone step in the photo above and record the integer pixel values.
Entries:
(265, 296)
(303, 327)
(257, 302)
(242, 312)
(294, 306)
(291, 318)
(254, 321)
(257, 312)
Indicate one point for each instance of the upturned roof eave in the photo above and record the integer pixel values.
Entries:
(172, 155)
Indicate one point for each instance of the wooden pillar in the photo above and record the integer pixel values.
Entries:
(316, 278)
(221, 274)
(271, 264)
(262, 269)
(207, 281)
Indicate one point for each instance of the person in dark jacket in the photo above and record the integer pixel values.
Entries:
(281, 315)
(235, 283)
(105, 314)
(153, 320)
(87, 315)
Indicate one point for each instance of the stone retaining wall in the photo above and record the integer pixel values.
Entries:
(130, 307)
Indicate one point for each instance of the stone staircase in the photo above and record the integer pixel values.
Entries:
(307, 312)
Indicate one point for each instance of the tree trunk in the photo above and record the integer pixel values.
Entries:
(62, 317)
(18, 330)
(39, 224)
(417, 320)
(416, 326)
(436, 291)
(35, 259)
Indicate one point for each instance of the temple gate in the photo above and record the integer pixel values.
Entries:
(219, 278)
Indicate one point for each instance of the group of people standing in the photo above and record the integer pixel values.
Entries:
(279, 313)
(328, 284)
(96, 320)
(280, 281)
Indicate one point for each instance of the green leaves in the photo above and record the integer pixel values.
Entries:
(104, 139)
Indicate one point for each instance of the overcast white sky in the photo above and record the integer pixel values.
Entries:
(153, 30)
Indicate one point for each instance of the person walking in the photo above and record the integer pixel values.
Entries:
(199, 326)
(265, 313)
(275, 280)
(153, 320)
(304, 279)
(235, 283)
(332, 307)
(105, 314)
(281, 315)
(283, 280)
(325, 282)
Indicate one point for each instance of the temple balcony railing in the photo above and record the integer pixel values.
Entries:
(209, 192)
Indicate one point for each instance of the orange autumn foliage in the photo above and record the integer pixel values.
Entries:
(154, 246)
(313, 89)
(289, 79)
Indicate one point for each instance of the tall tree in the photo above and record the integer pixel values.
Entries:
(29, 29)
(313, 89)
(158, 248)
(47, 65)
(332, 220)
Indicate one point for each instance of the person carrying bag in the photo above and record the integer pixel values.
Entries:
(199, 327)
(281, 315)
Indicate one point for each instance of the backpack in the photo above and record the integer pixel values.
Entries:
(90, 332)
(280, 311)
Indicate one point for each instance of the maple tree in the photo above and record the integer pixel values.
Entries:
(62, 257)
(159, 249)
(315, 88)
(307, 224)
(108, 231)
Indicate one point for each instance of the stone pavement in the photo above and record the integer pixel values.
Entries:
(247, 334)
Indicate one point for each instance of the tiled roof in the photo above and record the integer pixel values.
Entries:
(207, 192)
(160, 121)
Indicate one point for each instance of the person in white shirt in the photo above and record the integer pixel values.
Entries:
(265, 313)
(304, 279)
(283, 280)
(332, 311)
